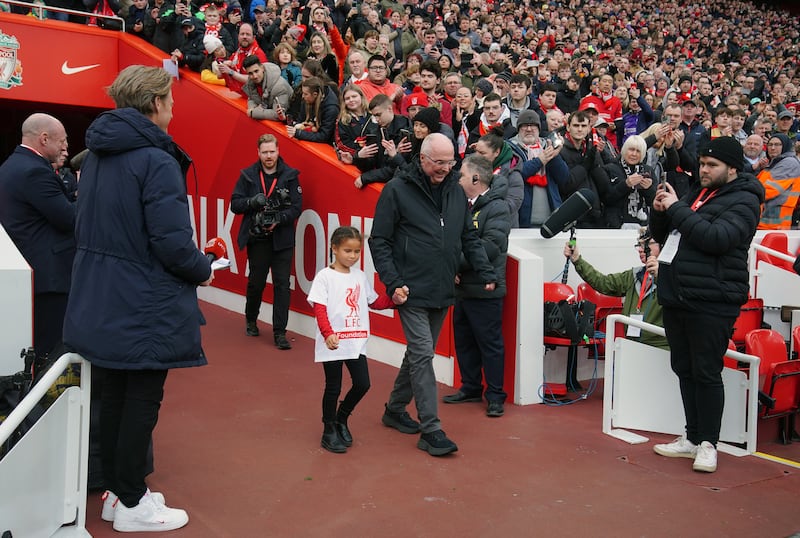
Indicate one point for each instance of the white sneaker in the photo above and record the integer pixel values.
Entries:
(706, 459)
(110, 503)
(679, 448)
(148, 516)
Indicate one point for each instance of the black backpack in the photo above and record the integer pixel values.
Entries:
(569, 320)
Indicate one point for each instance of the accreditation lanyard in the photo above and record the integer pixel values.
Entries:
(701, 201)
(643, 291)
(264, 184)
(632, 331)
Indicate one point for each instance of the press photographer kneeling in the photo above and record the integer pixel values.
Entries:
(269, 195)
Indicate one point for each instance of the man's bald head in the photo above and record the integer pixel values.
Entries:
(45, 134)
(436, 142)
(39, 123)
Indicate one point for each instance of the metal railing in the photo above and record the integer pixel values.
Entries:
(43, 478)
(38, 11)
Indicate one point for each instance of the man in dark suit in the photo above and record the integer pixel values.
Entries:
(40, 219)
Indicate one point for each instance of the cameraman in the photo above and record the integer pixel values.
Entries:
(269, 196)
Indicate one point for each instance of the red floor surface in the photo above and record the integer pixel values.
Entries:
(237, 446)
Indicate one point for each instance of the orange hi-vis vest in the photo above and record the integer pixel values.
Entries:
(781, 200)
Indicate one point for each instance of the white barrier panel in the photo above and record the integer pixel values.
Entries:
(647, 395)
(16, 305)
(542, 260)
(641, 392)
(43, 478)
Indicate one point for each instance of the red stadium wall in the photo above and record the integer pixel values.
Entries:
(209, 124)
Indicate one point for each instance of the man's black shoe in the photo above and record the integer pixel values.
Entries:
(282, 342)
(460, 397)
(252, 328)
(401, 422)
(494, 409)
(436, 443)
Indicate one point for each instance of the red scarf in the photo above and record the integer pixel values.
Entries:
(213, 29)
(538, 179)
(484, 129)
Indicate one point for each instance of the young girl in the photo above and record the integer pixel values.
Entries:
(339, 296)
(318, 111)
(284, 55)
(353, 116)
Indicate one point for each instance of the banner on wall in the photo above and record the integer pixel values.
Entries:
(55, 62)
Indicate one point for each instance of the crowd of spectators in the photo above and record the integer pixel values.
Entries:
(559, 95)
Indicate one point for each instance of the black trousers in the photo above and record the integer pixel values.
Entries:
(478, 336)
(48, 321)
(129, 412)
(359, 373)
(697, 344)
(263, 258)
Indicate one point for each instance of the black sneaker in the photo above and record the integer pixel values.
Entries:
(401, 422)
(252, 328)
(436, 443)
(282, 342)
(494, 409)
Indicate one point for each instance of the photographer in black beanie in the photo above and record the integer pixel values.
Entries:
(702, 283)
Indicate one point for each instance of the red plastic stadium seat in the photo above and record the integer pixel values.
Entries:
(769, 346)
(782, 384)
(750, 318)
(776, 241)
(796, 341)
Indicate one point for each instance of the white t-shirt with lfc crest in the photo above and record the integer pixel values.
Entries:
(346, 297)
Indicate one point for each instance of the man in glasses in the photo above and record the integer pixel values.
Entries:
(637, 285)
(376, 82)
(421, 227)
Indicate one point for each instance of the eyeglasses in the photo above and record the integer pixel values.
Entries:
(775, 144)
(448, 164)
(640, 246)
(377, 68)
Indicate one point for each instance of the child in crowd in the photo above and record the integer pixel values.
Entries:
(215, 55)
(284, 55)
(140, 21)
(214, 27)
(339, 296)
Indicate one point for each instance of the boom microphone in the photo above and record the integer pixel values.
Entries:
(565, 216)
(215, 249)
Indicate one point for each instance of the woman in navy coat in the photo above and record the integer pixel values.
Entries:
(133, 308)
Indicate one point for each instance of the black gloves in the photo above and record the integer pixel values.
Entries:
(257, 202)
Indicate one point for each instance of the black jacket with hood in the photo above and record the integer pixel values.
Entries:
(418, 236)
(709, 272)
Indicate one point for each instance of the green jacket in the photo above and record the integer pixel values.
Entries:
(627, 284)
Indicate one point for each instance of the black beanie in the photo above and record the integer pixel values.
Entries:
(726, 149)
(430, 117)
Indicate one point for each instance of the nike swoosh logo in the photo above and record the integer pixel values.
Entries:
(74, 70)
